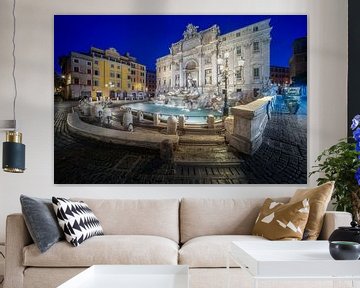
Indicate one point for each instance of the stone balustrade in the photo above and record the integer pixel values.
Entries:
(249, 124)
(156, 119)
(171, 125)
(211, 121)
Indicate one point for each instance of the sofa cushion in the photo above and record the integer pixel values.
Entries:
(158, 217)
(201, 217)
(107, 249)
(211, 251)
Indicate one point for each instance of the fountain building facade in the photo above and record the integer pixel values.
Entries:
(193, 61)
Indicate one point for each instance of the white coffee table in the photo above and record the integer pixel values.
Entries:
(131, 276)
(293, 260)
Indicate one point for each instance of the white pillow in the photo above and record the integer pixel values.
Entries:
(76, 220)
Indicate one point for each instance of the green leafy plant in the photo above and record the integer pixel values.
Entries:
(340, 163)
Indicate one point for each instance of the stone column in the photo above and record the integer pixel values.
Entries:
(214, 68)
(211, 121)
(128, 119)
(156, 119)
(249, 124)
(200, 84)
(182, 122)
(171, 125)
(140, 116)
(181, 74)
(172, 74)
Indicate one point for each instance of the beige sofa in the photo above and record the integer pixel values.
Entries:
(194, 232)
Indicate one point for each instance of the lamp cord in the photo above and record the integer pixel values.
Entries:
(14, 61)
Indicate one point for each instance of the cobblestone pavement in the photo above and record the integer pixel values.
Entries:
(280, 159)
(84, 161)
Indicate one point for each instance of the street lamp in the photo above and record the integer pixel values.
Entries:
(224, 70)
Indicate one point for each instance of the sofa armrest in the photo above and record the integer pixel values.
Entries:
(333, 220)
(17, 237)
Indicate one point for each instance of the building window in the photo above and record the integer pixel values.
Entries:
(238, 34)
(256, 73)
(132, 65)
(132, 72)
(208, 60)
(112, 74)
(164, 82)
(76, 60)
(112, 66)
(256, 47)
(96, 72)
(255, 28)
(118, 75)
(208, 76)
(118, 84)
(96, 62)
(129, 86)
(118, 67)
(89, 63)
(96, 83)
(238, 50)
(256, 92)
(239, 73)
(88, 71)
(129, 78)
(76, 81)
(76, 69)
(88, 82)
(164, 68)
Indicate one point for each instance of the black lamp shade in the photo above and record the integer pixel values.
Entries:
(13, 157)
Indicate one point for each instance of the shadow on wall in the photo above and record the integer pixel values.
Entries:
(157, 7)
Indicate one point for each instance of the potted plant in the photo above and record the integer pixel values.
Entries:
(341, 163)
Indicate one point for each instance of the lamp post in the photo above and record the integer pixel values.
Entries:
(224, 70)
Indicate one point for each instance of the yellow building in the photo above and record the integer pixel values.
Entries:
(112, 74)
(103, 74)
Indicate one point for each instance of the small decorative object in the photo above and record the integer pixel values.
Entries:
(341, 163)
(351, 233)
(344, 250)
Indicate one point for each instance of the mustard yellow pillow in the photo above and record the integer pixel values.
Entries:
(279, 221)
(319, 198)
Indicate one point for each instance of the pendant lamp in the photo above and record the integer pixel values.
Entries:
(13, 160)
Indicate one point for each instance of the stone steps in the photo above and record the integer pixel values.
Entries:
(196, 139)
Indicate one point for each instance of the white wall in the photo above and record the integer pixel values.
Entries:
(327, 89)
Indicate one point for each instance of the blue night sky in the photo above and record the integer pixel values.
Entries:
(148, 37)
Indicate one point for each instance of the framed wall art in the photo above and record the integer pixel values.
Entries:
(180, 99)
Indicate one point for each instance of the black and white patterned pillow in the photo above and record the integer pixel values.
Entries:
(77, 220)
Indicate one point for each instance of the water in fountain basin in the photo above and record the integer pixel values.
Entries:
(193, 116)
